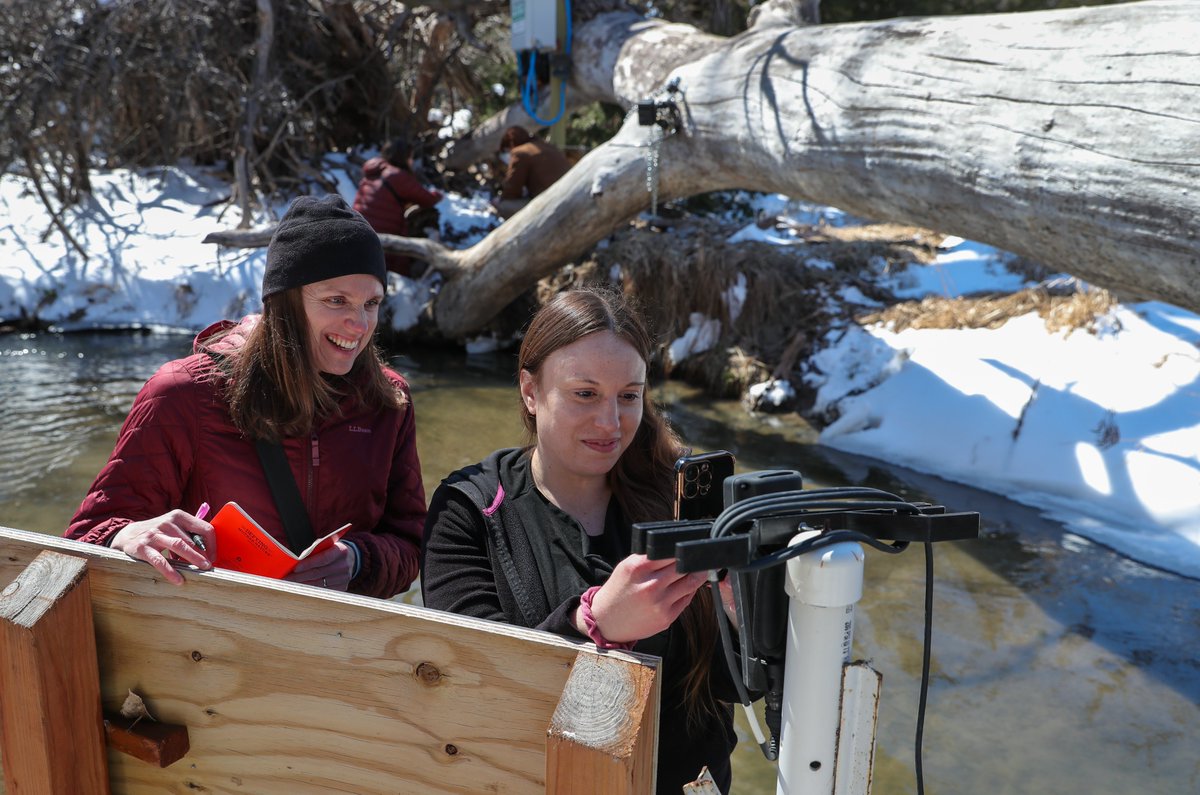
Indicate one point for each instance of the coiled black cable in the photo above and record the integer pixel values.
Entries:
(810, 505)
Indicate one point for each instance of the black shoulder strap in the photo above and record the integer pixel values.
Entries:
(392, 191)
(286, 494)
(279, 478)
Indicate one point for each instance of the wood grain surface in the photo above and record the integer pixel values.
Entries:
(50, 722)
(291, 689)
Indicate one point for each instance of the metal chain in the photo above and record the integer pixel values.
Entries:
(652, 155)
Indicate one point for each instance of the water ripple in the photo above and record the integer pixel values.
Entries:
(60, 395)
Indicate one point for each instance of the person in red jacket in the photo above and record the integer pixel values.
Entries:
(304, 373)
(388, 192)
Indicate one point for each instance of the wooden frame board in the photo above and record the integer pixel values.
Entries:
(286, 688)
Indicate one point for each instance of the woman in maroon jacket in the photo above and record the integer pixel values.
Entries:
(306, 374)
(386, 192)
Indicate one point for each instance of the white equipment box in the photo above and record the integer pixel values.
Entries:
(534, 25)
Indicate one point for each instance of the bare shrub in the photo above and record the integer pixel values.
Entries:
(133, 83)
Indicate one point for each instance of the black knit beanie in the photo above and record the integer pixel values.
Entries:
(321, 239)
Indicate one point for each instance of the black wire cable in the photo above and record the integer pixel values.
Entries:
(727, 643)
(785, 503)
(733, 514)
(767, 746)
(763, 503)
(925, 655)
(828, 538)
(810, 505)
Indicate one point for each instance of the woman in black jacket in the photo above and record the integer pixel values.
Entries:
(540, 536)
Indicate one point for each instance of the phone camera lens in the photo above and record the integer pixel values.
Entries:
(690, 489)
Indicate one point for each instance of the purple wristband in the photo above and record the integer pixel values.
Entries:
(589, 622)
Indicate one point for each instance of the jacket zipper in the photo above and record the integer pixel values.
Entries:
(314, 462)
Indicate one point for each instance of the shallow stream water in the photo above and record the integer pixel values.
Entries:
(1057, 665)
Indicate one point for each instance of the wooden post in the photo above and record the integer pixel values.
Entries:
(603, 736)
(51, 728)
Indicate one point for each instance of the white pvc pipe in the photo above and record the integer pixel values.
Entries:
(824, 586)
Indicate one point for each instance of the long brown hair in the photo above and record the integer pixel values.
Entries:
(275, 390)
(643, 479)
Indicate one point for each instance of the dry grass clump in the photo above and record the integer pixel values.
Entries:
(908, 243)
(790, 304)
(685, 269)
(1080, 309)
(676, 273)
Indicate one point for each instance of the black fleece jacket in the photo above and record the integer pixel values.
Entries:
(530, 567)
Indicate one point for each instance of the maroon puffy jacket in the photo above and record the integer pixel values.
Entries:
(178, 448)
(379, 205)
(385, 193)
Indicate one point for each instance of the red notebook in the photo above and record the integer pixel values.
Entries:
(243, 545)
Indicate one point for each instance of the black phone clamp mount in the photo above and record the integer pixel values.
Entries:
(663, 108)
(757, 531)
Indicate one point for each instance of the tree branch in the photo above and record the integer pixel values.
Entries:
(31, 160)
(445, 260)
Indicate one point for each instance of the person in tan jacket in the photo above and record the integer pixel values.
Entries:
(532, 165)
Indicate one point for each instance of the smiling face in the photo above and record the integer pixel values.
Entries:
(342, 314)
(586, 400)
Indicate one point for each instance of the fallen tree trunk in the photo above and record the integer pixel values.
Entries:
(1068, 137)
